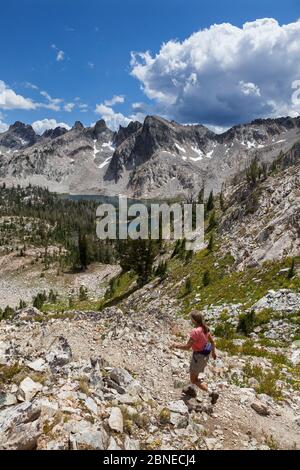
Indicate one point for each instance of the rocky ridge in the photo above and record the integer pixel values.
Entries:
(155, 159)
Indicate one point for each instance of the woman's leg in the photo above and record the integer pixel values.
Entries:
(195, 381)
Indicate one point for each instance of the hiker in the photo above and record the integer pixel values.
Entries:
(203, 345)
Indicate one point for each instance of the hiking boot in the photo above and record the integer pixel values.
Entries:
(190, 391)
(214, 397)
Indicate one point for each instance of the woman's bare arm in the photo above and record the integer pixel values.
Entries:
(184, 347)
(213, 343)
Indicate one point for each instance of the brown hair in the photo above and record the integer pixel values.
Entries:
(198, 318)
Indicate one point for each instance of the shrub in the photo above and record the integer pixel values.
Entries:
(246, 323)
(224, 330)
(83, 295)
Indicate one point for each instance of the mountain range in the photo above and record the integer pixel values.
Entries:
(156, 159)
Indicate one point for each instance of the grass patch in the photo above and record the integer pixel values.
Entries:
(249, 349)
(266, 379)
(225, 284)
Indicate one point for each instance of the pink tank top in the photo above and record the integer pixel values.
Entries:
(200, 338)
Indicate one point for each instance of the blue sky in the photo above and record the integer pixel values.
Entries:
(65, 57)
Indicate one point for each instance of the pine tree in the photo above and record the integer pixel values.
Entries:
(212, 222)
(138, 256)
(188, 286)
(201, 196)
(206, 278)
(210, 202)
(210, 245)
(22, 304)
(291, 272)
(252, 172)
(222, 203)
(83, 251)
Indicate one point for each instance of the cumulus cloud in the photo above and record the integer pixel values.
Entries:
(44, 124)
(113, 119)
(224, 74)
(114, 100)
(10, 100)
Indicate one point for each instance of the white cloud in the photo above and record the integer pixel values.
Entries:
(60, 55)
(83, 107)
(249, 88)
(10, 100)
(91, 65)
(3, 126)
(41, 126)
(31, 86)
(114, 100)
(112, 119)
(224, 74)
(69, 107)
(53, 103)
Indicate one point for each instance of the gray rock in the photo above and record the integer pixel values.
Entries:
(112, 445)
(131, 444)
(38, 365)
(4, 352)
(28, 389)
(115, 420)
(178, 420)
(121, 377)
(91, 405)
(178, 407)
(7, 399)
(19, 427)
(90, 440)
(60, 353)
(260, 408)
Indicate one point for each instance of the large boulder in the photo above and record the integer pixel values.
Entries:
(60, 353)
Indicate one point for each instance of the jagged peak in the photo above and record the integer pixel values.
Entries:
(20, 125)
(78, 125)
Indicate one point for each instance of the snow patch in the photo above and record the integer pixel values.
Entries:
(198, 152)
(107, 145)
(106, 162)
(181, 149)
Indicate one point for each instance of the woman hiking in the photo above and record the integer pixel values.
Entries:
(203, 345)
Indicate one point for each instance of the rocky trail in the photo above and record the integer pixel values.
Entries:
(108, 380)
